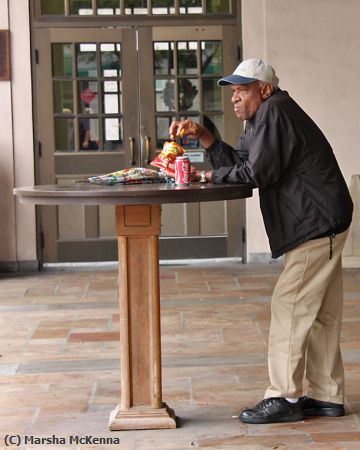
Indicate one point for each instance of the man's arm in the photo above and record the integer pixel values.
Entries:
(193, 130)
(221, 155)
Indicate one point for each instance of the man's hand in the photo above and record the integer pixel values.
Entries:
(193, 130)
(185, 127)
(195, 175)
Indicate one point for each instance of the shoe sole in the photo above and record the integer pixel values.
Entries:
(295, 418)
(326, 412)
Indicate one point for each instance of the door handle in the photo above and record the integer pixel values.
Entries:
(132, 141)
(147, 149)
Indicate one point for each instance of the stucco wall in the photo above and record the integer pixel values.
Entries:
(17, 243)
(7, 208)
(313, 45)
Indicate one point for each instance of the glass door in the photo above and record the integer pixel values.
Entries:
(186, 63)
(88, 124)
(105, 100)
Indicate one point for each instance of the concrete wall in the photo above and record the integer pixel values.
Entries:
(17, 235)
(313, 45)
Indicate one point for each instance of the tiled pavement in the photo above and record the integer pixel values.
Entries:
(59, 363)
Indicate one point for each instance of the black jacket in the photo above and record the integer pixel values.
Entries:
(283, 152)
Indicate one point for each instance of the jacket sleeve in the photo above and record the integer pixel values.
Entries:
(225, 158)
(270, 150)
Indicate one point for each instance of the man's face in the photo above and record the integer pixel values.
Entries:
(246, 99)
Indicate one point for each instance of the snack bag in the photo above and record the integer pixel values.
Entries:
(134, 175)
(166, 158)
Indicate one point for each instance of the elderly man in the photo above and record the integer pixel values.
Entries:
(307, 210)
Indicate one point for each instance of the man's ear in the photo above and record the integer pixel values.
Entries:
(267, 91)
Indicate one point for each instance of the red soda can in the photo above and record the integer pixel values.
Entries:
(182, 170)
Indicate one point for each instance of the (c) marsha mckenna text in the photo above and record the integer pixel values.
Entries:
(15, 440)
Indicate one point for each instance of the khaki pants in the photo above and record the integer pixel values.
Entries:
(306, 313)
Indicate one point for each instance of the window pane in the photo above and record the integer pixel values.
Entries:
(112, 133)
(86, 60)
(136, 7)
(189, 94)
(107, 7)
(110, 60)
(62, 60)
(211, 94)
(88, 100)
(187, 58)
(165, 95)
(64, 134)
(111, 97)
(111, 86)
(162, 129)
(211, 57)
(218, 6)
(190, 7)
(52, 7)
(63, 97)
(80, 7)
(88, 133)
(111, 104)
(163, 58)
(163, 7)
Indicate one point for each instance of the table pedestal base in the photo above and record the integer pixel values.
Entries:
(142, 418)
(141, 405)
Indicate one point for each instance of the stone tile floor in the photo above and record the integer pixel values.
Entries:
(59, 363)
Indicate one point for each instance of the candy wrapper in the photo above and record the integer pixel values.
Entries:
(137, 175)
(166, 158)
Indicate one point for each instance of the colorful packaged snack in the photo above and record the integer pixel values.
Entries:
(134, 175)
(166, 158)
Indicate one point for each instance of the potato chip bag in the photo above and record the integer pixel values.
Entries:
(166, 158)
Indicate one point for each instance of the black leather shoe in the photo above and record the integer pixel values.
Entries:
(273, 410)
(314, 407)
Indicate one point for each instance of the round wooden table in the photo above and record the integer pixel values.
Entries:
(138, 228)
